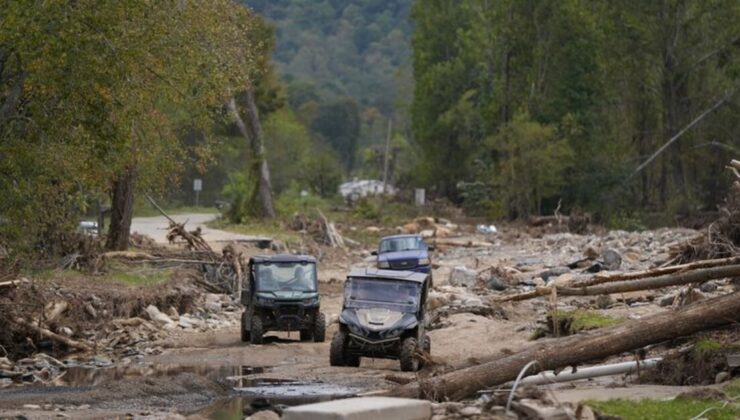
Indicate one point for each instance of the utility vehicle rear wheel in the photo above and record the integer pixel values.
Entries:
(257, 330)
(352, 360)
(319, 328)
(245, 331)
(337, 349)
(407, 355)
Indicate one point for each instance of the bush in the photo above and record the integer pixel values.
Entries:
(295, 200)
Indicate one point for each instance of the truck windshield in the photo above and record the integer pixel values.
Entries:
(285, 276)
(370, 293)
(410, 243)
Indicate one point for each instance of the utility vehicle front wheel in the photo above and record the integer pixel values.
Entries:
(337, 349)
(407, 355)
(256, 331)
(319, 328)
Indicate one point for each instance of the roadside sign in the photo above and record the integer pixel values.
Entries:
(197, 185)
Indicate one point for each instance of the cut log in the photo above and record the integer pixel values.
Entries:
(577, 349)
(607, 278)
(676, 279)
(53, 336)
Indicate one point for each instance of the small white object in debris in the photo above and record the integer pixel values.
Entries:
(264, 415)
(31, 407)
(487, 229)
(66, 331)
(367, 408)
(471, 411)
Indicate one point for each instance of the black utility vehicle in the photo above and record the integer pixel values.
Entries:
(282, 294)
(382, 317)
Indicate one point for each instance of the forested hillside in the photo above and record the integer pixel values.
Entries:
(520, 104)
(335, 48)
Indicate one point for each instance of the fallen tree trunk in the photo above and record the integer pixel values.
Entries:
(678, 279)
(607, 278)
(581, 348)
(53, 336)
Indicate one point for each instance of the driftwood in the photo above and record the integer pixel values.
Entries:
(461, 243)
(194, 239)
(234, 257)
(332, 236)
(53, 310)
(577, 349)
(675, 279)
(53, 336)
(12, 283)
(607, 278)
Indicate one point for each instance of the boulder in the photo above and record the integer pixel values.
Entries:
(159, 319)
(463, 276)
(612, 259)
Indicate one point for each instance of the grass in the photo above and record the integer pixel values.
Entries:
(147, 210)
(271, 228)
(677, 408)
(588, 320)
(733, 389)
(140, 275)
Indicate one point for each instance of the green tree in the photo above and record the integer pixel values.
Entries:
(105, 88)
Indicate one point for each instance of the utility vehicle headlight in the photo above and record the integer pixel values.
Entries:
(384, 264)
(311, 301)
(424, 261)
(264, 300)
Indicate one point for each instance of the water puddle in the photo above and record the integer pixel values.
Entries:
(79, 376)
(275, 394)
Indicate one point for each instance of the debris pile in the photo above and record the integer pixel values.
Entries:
(429, 227)
(722, 238)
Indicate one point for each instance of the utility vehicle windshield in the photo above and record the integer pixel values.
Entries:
(402, 296)
(408, 243)
(291, 276)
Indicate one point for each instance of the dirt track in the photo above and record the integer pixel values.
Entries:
(197, 369)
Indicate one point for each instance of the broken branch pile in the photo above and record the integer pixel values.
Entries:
(641, 283)
(722, 238)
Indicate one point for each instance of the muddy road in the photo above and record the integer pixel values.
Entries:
(212, 374)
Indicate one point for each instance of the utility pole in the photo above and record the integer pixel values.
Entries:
(385, 157)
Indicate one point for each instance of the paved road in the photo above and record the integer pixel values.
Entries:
(156, 228)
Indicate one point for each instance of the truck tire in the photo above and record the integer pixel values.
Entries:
(256, 331)
(245, 331)
(336, 351)
(319, 328)
(306, 335)
(407, 355)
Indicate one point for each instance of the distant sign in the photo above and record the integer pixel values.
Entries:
(197, 185)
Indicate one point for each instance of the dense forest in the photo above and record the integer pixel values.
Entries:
(508, 108)
(521, 104)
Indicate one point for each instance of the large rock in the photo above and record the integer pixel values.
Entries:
(159, 318)
(368, 408)
(612, 259)
(463, 276)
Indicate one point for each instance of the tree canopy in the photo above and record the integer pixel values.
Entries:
(94, 90)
